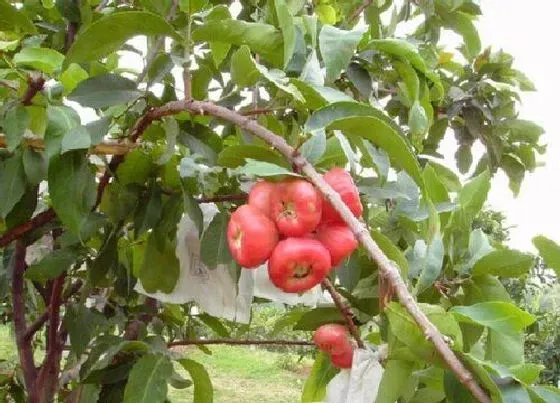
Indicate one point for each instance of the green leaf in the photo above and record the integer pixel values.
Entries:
(485, 288)
(192, 6)
(85, 393)
(148, 213)
(521, 130)
(72, 76)
(160, 268)
(314, 148)
(61, 119)
(326, 14)
(410, 80)
(392, 251)
(447, 177)
(549, 251)
(107, 258)
(12, 183)
(504, 348)
(107, 34)
(98, 129)
(214, 324)
(219, 49)
(265, 169)
(435, 187)
(104, 91)
(337, 48)
(455, 391)
(193, 210)
(527, 373)
(286, 23)
(203, 389)
(311, 320)
(214, 248)
(43, 59)
(366, 122)
(263, 39)
(81, 323)
(473, 195)
(427, 262)
(12, 19)
(147, 381)
(70, 177)
(35, 165)
(15, 122)
(407, 51)
(502, 317)
(462, 24)
(418, 122)
(235, 156)
(515, 170)
(135, 168)
(52, 265)
(395, 377)
(548, 394)
(315, 388)
(504, 263)
(407, 331)
(246, 71)
(76, 139)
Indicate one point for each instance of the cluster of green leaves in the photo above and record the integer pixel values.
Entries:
(346, 94)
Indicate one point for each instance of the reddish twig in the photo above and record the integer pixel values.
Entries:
(40, 321)
(25, 351)
(359, 11)
(17, 232)
(71, 31)
(47, 381)
(35, 85)
(345, 311)
(240, 342)
(263, 111)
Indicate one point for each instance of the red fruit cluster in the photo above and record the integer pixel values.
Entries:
(334, 340)
(295, 229)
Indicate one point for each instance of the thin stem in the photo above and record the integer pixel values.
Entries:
(345, 311)
(223, 198)
(359, 11)
(240, 342)
(187, 77)
(36, 222)
(35, 85)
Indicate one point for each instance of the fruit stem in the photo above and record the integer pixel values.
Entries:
(345, 311)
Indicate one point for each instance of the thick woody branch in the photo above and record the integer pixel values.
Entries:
(18, 304)
(105, 148)
(240, 342)
(345, 310)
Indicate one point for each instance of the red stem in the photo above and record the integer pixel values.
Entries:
(345, 311)
(35, 84)
(18, 302)
(19, 231)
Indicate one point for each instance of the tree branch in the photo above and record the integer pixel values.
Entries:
(240, 342)
(40, 321)
(359, 11)
(35, 83)
(25, 351)
(387, 267)
(17, 232)
(345, 311)
(104, 148)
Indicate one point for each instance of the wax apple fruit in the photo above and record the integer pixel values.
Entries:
(251, 236)
(260, 195)
(298, 264)
(343, 184)
(338, 239)
(344, 359)
(296, 207)
(331, 338)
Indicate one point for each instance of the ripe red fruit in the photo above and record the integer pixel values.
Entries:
(331, 338)
(344, 359)
(298, 264)
(343, 184)
(251, 236)
(338, 239)
(296, 207)
(260, 195)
